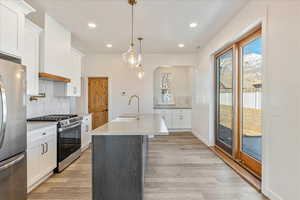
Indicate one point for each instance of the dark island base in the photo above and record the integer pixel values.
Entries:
(118, 165)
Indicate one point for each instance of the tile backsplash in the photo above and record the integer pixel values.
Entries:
(50, 104)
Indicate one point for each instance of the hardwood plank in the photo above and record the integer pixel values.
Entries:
(180, 167)
(247, 176)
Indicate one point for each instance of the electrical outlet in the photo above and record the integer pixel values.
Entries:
(124, 93)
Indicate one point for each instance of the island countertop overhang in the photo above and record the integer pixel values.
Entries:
(147, 124)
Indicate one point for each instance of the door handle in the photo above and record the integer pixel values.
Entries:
(4, 113)
(14, 161)
(46, 147)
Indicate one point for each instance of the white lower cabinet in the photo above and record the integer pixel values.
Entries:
(176, 119)
(86, 127)
(41, 155)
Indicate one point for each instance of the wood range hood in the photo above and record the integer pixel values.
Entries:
(55, 78)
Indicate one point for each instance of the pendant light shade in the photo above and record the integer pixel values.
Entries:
(130, 57)
(140, 56)
(140, 72)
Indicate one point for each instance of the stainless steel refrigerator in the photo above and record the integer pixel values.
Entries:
(13, 171)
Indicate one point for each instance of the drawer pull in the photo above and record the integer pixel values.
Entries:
(43, 149)
(46, 147)
(44, 134)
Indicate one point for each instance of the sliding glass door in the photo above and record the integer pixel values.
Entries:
(250, 102)
(224, 69)
(238, 101)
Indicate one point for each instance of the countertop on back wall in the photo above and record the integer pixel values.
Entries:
(83, 114)
(172, 107)
(32, 126)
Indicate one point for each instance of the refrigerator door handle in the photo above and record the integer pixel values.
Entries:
(4, 112)
(14, 161)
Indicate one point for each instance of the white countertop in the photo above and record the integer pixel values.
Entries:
(147, 124)
(172, 107)
(32, 126)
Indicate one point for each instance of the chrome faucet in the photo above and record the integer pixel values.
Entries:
(138, 98)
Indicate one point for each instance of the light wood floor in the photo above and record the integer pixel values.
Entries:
(180, 168)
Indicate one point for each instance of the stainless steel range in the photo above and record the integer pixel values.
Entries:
(68, 138)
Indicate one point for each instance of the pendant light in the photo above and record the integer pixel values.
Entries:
(139, 67)
(130, 57)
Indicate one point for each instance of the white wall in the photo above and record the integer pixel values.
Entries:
(50, 104)
(123, 79)
(281, 107)
(180, 84)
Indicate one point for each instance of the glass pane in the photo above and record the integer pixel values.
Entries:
(251, 99)
(225, 66)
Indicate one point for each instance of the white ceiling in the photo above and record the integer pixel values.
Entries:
(163, 23)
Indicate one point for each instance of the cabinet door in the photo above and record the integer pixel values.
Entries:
(34, 154)
(188, 118)
(74, 88)
(31, 57)
(50, 155)
(182, 119)
(11, 23)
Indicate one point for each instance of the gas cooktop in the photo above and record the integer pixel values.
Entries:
(52, 118)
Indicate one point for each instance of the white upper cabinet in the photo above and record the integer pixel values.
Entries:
(74, 87)
(31, 56)
(55, 49)
(12, 16)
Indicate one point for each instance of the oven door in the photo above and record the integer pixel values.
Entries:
(69, 140)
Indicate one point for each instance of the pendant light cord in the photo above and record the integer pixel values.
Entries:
(141, 46)
(132, 21)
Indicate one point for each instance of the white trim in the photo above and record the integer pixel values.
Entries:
(271, 195)
(197, 135)
(33, 25)
(76, 51)
(39, 182)
(180, 130)
(238, 37)
(265, 163)
(84, 148)
(21, 5)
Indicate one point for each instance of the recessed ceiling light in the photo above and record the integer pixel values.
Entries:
(92, 25)
(109, 45)
(193, 25)
(180, 45)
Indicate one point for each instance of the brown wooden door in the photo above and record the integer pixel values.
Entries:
(98, 101)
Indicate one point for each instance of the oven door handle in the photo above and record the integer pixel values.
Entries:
(69, 127)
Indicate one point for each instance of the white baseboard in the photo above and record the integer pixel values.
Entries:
(197, 135)
(179, 130)
(84, 148)
(271, 195)
(35, 185)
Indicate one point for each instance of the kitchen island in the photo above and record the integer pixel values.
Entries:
(119, 156)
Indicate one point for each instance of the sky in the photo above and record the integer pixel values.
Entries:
(254, 47)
